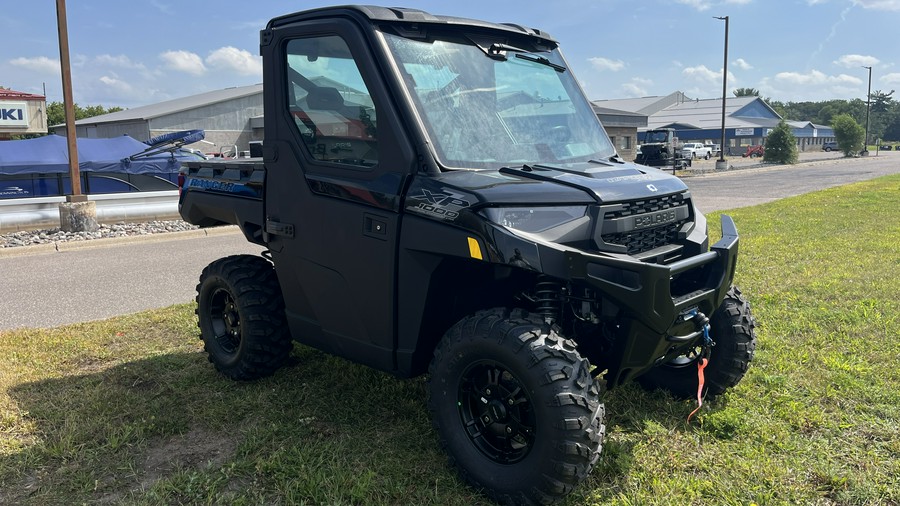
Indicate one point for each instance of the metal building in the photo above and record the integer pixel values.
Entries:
(231, 119)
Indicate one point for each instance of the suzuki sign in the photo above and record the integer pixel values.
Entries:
(13, 114)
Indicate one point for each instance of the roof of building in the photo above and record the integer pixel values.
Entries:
(19, 95)
(644, 105)
(618, 118)
(707, 113)
(174, 106)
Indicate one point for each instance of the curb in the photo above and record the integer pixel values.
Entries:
(60, 247)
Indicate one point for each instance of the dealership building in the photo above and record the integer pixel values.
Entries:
(22, 113)
(748, 120)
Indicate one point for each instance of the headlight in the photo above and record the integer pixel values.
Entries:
(534, 219)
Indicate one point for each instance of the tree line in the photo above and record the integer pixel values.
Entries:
(884, 112)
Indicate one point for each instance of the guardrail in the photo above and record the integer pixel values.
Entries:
(43, 212)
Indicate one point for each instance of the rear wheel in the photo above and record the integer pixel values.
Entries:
(732, 328)
(240, 312)
(515, 407)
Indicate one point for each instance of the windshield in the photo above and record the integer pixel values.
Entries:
(511, 108)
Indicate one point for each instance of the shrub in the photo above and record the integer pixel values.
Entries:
(781, 145)
(848, 133)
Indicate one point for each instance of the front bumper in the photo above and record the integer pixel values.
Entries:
(654, 300)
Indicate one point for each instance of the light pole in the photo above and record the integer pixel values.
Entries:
(865, 150)
(720, 163)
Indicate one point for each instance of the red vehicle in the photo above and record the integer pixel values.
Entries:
(754, 151)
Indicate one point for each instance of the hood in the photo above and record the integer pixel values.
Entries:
(540, 185)
(548, 184)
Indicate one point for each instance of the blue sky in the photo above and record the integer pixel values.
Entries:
(138, 52)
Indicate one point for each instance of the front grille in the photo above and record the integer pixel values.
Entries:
(639, 241)
(646, 206)
(623, 226)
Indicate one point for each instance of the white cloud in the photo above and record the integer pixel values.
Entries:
(742, 64)
(703, 5)
(117, 85)
(637, 87)
(236, 60)
(40, 64)
(856, 60)
(601, 63)
(879, 5)
(700, 5)
(893, 78)
(811, 86)
(184, 61)
(816, 78)
(702, 74)
(120, 61)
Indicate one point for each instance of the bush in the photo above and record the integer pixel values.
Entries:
(848, 133)
(781, 145)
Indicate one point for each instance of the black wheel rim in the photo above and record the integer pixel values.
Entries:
(497, 414)
(225, 319)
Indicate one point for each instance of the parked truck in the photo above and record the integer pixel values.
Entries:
(436, 196)
(694, 150)
(660, 148)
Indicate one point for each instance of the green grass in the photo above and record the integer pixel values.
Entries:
(129, 411)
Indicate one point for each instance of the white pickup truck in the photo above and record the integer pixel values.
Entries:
(694, 150)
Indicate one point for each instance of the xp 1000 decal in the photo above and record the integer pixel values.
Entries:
(443, 204)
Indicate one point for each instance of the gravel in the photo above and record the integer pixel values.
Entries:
(55, 235)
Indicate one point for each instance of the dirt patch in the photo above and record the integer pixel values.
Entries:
(195, 450)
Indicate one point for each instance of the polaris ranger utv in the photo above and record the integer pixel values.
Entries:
(436, 196)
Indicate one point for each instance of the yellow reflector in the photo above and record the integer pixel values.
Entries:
(475, 249)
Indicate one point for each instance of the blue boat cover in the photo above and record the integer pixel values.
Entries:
(49, 155)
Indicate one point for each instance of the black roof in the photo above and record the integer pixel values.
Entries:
(408, 16)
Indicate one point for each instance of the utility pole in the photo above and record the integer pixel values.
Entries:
(865, 150)
(721, 164)
(76, 214)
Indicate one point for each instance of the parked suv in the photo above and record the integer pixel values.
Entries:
(830, 146)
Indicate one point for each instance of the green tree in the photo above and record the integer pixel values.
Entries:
(781, 145)
(881, 102)
(56, 112)
(746, 92)
(848, 133)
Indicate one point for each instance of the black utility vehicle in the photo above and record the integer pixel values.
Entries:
(436, 195)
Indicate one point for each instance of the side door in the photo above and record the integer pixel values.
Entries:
(335, 173)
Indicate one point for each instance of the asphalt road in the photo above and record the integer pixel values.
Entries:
(104, 279)
(719, 191)
(44, 288)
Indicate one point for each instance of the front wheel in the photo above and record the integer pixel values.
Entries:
(240, 312)
(515, 407)
(732, 329)
(706, 157)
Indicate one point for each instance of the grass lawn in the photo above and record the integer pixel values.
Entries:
(128, 410)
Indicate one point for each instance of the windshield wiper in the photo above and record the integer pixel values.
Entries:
(541, 60)
(498, 51)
